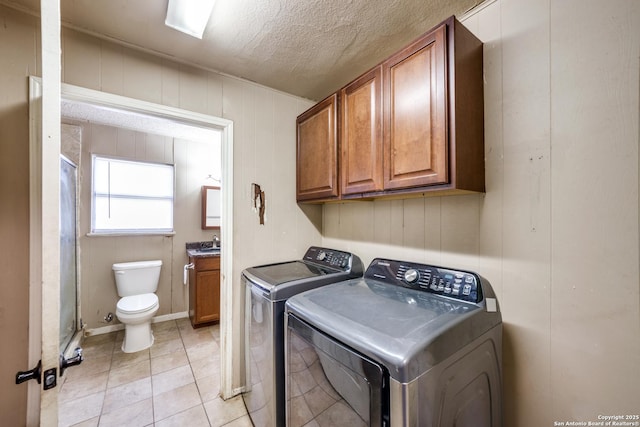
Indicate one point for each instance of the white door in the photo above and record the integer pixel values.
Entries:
(44, 135)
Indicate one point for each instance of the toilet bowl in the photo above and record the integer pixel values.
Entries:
(136, 283)
(136, 313)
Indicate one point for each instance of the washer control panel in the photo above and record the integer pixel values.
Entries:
(461, 285)
(328, 257)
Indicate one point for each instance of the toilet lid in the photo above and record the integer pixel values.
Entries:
(137, 303)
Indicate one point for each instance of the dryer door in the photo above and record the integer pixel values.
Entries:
(330, 383)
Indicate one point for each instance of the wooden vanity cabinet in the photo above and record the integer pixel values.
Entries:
(317, 151)
(204, 291)
(414, 125)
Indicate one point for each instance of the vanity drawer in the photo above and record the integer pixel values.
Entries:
(206, 263)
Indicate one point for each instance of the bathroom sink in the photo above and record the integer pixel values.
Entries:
(203, 251)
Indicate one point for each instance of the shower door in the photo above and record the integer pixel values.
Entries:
(68, 268)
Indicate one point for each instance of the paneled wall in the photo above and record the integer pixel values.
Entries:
(264, 141)
(557, 231)
(193, 161)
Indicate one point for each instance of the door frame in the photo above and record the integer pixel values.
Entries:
(44, 208)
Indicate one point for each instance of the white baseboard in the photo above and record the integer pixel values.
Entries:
(120, 326)
(171, 316)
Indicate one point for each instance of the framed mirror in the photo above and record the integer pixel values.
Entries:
(211, 207)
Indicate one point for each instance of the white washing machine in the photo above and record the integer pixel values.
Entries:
(406, 345)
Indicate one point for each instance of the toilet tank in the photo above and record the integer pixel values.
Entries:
(135, 278)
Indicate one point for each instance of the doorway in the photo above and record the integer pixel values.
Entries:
(47, 160)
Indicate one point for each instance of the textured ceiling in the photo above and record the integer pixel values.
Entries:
(308, 48)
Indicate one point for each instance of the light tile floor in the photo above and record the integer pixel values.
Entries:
(174, 383)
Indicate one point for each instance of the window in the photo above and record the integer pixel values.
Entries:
(131, 197)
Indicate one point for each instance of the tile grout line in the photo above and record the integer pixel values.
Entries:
(183, 332)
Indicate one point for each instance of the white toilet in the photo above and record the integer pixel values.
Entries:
(136, 283)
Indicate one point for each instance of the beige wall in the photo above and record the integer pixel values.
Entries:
(18, 41)
(557, 231)
(264, 141)
(193, 161)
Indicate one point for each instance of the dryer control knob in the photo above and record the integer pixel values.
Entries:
(411, 275)
(322, 255)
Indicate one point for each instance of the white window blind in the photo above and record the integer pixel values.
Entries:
(131, 197)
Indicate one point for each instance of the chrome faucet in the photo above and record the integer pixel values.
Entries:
(216, 241)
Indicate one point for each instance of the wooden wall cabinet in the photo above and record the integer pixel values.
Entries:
(317, 151)
(415, 119)
(204, 291)
(413, 125)
(361, 134)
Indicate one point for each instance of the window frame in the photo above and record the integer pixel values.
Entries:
(131, 231)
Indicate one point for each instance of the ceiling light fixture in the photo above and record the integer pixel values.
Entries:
(189, 16)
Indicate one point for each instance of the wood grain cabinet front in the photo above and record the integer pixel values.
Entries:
(415, 119)
(204, 291)
(317, 151)
(413, 125)
(361, 134)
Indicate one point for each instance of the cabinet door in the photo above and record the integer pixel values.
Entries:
(415, 114)
(317, 152)
(361, 134)
(207, 296)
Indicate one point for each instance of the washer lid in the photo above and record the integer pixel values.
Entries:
(407, 331)
(284, 272)
(137, 303)
(282, 280)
